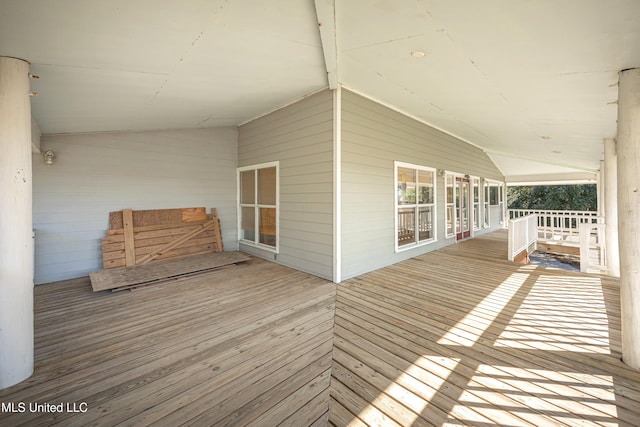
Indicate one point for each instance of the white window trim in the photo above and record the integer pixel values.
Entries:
(473, 180)
(455, 202)
(434, 226)
(486, 206)
(501, 197)
(454, 212)
(255, 243)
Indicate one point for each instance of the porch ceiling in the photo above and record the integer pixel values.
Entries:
(524, 80)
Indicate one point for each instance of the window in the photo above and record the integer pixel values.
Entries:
(476, 204)
(494, 196)
(487, 216)
(415, 205)
(450, 204)
(258, 211)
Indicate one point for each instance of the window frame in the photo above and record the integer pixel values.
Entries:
(500, 198)
(416, 206)
(453, 204)
(476, 187)
(486, 211)
(257, 206)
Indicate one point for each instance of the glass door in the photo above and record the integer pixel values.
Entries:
(463, 208)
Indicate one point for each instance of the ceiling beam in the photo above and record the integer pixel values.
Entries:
(326, 14)
(552, 179)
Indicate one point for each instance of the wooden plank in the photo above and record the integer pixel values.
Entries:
(138, 358)
(129, 245)
(127, 276)
(143, 218)
(193, 214)
(113, 234)
(558, 248)
(216, 229)
(167, 247)
(143, 245)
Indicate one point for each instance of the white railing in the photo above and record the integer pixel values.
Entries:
(523, 236)
(593, 250)
(558, 225)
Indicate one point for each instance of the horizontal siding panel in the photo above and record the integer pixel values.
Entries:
(293, 227)
(307, 179)
(294, 125)
(322, 101)
(321, 170)
(296, 150)
(373, 137)
(95, 174)
(300, 137)
(311, 207)
(321, 188)
(297, 158)
(318, 266)
(297, 198)
(310, 217)
(305, 235)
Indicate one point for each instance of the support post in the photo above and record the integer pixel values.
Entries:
(16, 234)
(611, 207)
(628, 153)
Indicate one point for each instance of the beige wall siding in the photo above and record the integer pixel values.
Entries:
(300, 137)
(373, 137)
(95, 174)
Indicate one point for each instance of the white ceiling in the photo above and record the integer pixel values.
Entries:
(532, 82)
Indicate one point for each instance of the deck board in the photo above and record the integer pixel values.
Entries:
(461, 336)
(218, 346)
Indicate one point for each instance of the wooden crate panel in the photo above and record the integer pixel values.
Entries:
(159, 234)
(148, 273)
(159, 217)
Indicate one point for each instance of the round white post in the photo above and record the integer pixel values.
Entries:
(611, 207)
(628, 151)
(16, 242)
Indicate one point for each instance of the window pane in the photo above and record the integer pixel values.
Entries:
(486, 214)
(406, 186)
(247, 187)
(248, 224)
(449, 188)
(425, 187)
(458, 213)
(425, 223)
(406, 225)
(449, 219)
(476, 216)
(493, 195)
(476, 191)
(268, 226)
(267, 186)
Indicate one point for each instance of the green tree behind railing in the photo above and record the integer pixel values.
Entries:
(553, 197)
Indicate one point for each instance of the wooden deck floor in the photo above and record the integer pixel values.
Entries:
(245, 345)
(461, 337)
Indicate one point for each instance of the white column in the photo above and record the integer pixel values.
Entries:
(628, 150)
(16, 243)
(611, 207)
(600, 190)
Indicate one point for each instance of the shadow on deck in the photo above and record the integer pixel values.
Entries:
(461, 336)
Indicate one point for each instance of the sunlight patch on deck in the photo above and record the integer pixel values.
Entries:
(560, 314)
(468, 330)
